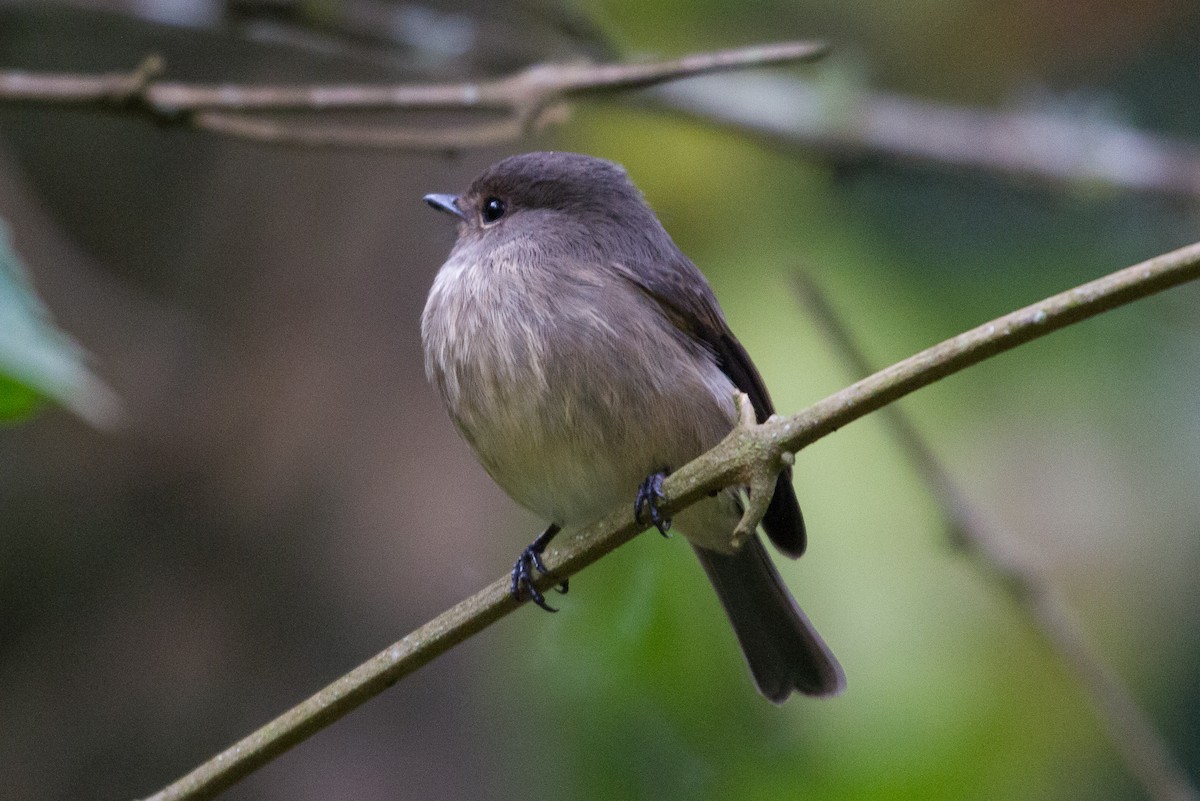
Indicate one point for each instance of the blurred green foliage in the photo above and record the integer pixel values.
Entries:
(17, 400)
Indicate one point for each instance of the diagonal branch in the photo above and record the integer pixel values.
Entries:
(237, 109)
(736, 456)
(1145, 751)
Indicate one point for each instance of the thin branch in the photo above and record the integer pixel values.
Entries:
(740, 454)
(237, 109)
(536, 85)
(1055, 148)
(1130, 729)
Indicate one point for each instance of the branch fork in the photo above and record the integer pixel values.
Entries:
(525, 101)
(765, 460)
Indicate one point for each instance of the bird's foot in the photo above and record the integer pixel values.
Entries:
(646, 504)
(528, 565)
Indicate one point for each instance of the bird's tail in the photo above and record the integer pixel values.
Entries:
(784, 651)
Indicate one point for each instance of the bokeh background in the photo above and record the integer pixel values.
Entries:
(287, 497)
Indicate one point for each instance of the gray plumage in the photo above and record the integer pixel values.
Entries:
(578, 351)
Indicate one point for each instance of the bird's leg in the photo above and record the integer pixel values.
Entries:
(648, 496)
(529, 561)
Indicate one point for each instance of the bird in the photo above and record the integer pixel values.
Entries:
(583, 357)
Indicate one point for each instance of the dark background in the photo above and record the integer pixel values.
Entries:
(288, 498)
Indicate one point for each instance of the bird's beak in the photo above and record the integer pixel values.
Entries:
(446, 203)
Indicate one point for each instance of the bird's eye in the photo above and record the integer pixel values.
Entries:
(493, 209)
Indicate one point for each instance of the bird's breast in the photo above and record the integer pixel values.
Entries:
(570, 389)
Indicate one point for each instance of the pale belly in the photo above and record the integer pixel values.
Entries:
(573, 462)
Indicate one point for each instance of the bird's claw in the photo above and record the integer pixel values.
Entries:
(646, 505)
(526, 568)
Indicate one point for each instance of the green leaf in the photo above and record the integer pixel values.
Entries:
(17, 401)
(38, 360)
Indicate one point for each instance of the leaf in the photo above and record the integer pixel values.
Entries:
(37, 359)
(17, 401)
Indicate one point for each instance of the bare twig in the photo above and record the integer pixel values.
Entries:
(1053, 148)
(1130, 729)
(235, 110)
(962, 516)
(738, 455)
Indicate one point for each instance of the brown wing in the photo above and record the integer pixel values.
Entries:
(688, 301)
